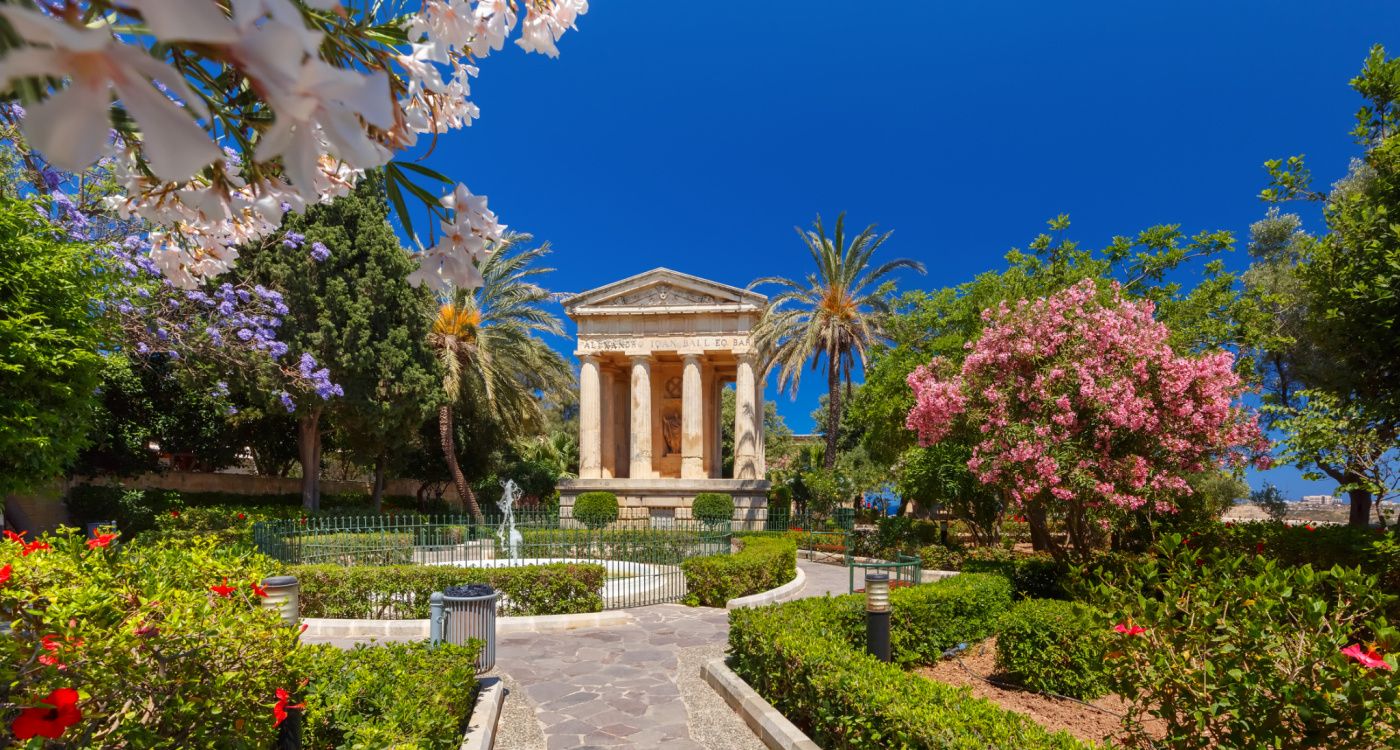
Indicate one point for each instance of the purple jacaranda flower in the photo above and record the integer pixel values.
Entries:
(286, 399)
(292, 240)
(319, 252)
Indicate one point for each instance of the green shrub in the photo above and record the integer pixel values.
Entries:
(161, 659)
(1232, 650)
(595, 509)
(402, 695)
(1053, 646)
(713, 507)
(1032, 576)
(807, 658)
(400, 592)
(761, 564)
(929, 619)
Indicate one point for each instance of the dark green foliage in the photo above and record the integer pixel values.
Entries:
(1321, 547)
(595, 509)
(894, 535)
(761, 564)
(49, 343)
(390, 695)
(1239, 651)
(144, 399)
(357, 315)
(807, 658)
(713, 507)
(1032, 576)
(400, 592)
(1053, 646)
(137, 511)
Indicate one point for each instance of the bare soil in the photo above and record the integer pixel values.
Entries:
(1096, 722)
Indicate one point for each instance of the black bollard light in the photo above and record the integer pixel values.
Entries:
(877, 615)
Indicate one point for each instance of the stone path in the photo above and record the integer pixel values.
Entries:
(628, 686)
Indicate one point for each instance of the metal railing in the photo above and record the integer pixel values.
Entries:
(782, 519)
(642, 560)
(906, 570)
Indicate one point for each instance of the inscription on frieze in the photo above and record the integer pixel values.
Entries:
(669, 343)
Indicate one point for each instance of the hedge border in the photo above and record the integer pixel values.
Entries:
(760, 564)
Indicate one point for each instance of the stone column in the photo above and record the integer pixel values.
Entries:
(760, 382)
(590, 420)
(640, 467)
(745, 424)
(692, 419)
(606, 439)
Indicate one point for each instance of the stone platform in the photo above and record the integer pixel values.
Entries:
(657, 501)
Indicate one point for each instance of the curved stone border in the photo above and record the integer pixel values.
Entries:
(417, 630)
(772, 727)
(481, 728)
(779, 594)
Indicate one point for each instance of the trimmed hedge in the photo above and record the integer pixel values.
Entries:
(391, 695)
(595, 509)
(1053, 646)
(713, 507)
(762, 563)
(808, 659)
(1032, 576)
(400, 592)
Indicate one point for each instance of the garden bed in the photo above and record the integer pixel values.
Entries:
(1097, 720)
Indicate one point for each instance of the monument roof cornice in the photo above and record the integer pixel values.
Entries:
(662, 291)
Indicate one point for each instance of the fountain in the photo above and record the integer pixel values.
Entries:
(509, 536)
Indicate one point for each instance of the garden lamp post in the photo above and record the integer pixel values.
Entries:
(877, 615)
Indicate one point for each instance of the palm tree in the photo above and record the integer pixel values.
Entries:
(833, 315)
(491, 358)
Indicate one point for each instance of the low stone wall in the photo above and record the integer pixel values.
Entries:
(653, 502)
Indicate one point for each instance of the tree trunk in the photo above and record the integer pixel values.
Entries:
(1040, 527)
(833, 410)
(378, 493)
(449, 452)
(1360, 503)
(309, 453)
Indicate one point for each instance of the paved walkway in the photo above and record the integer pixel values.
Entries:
(628, 686)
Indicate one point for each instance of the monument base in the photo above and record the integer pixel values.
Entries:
(658, 502)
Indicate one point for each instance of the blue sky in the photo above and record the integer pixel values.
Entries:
(697, 135)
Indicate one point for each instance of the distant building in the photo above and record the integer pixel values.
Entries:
(1319, 500)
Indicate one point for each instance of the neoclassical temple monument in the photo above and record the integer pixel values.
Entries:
(656, 351)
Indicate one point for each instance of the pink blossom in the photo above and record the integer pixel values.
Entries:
(1368, 658)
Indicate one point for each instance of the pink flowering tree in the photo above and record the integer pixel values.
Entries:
(1079, 409)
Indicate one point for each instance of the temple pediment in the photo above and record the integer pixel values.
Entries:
(662, 290)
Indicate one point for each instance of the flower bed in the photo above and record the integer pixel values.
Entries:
(168, 646)
(807, 658)
(400, 592)
(761, 564)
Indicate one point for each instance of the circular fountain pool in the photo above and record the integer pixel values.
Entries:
(627, 583)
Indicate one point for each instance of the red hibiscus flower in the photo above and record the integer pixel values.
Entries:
(35, 546)
(1127, 628)
(224, 590)
(279, 711)
(1258, 548)
(48, 719)
(1310, 527)
(259, 590)
(52, 644)
(174, 514)
(241, 516)
(5, 574)
(101, 540)
(1369, 658)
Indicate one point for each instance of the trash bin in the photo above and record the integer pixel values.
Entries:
(460, 613)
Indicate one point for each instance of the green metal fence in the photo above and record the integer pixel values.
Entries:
(643, 559)
(783, 519)
(907, 570)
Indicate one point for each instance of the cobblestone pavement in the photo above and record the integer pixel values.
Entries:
(627, 686)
